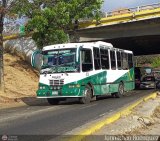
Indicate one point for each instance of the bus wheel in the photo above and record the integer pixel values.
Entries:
(87, 96)
(53, 101)
(120, 92)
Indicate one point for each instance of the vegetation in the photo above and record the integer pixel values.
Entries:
(156, 62)
(148, 60)
(53, 20)
(50, 20)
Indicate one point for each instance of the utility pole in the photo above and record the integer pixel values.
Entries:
(2, 14)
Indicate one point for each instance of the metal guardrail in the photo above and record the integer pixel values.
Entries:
(122, 11)
(134, 9)
(123, 15)
(16, 36)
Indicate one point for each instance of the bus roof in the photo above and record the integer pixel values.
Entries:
(85, 45)
(75, 45)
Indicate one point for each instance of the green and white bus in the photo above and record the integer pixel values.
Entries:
(85, 71)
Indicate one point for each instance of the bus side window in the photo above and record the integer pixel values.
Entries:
(104, 58)
(86, 59)
(130, 60)
(119, 60)
(125, 61)
(113, 60)
(97, 63)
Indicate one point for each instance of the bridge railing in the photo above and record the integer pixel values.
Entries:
(123, 11)
(132, 10)
(123, 15)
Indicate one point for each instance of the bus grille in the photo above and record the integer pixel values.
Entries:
(56, 82)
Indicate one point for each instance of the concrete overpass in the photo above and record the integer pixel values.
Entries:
(137, 29)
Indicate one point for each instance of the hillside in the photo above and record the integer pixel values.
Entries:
(21, 80)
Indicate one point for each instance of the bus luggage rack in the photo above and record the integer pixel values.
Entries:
(56, 82)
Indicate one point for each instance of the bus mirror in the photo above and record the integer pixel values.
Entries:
(36, 59)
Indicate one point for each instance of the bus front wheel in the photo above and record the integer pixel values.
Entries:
(87, 96)
(120, 92)
(53, 101)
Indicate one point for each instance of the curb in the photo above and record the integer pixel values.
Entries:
(124, 112)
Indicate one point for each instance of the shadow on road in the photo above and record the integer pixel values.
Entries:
(33, 101)
(104, 97)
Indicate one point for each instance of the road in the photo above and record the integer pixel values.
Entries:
(57, 120)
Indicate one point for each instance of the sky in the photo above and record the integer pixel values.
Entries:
(110, 5)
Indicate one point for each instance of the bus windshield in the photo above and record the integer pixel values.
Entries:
(62, 60)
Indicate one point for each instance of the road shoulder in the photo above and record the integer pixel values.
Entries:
(100, 127)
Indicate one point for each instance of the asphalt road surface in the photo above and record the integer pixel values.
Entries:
(42, 119)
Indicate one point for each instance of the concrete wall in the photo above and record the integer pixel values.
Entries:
(24, 47)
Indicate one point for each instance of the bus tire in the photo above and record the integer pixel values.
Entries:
(53, 101)
(87, 96)
(120, 92)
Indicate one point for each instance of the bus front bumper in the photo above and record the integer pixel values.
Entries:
(64, 92)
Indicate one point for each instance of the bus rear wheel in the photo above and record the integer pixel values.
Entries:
(53, 101)
(87, 96)
(120, 92)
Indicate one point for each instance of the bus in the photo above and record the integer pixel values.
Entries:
(85, 71)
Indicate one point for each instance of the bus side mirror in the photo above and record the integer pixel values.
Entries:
(36, 59)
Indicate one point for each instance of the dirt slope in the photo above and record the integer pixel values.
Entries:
(21, 80)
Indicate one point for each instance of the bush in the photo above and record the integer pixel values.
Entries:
(156, 62)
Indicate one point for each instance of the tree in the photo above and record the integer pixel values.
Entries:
(51, 20)
(5, 7)
(2, 14)
(49, 25)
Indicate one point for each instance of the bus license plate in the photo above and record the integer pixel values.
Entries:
(55, 93)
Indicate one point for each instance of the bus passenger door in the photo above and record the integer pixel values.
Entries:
(99, 76)
(105, 63)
